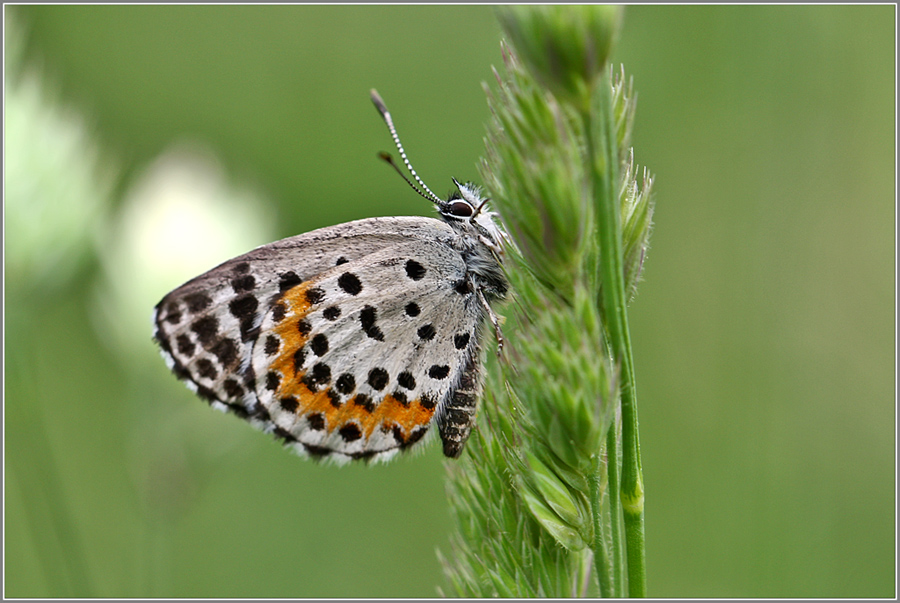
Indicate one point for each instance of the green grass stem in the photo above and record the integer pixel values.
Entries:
(603, 160)
(613, 456)
(602, 564)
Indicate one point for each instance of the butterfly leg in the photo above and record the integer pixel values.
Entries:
(493, 318)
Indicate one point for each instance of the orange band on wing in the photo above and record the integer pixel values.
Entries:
(388, 413)
(295, 307)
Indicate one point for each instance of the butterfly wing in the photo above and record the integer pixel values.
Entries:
(207, 327)
(214, 332)
(357, 362)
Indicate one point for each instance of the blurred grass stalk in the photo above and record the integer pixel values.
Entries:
(57, 189)
(551, 491)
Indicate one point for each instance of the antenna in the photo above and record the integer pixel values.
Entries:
(479, 208)
(386, 116)
(390, 161)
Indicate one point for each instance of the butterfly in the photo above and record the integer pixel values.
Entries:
(352, 341)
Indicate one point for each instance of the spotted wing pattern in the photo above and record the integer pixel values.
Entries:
(358, 361)
(336, 340)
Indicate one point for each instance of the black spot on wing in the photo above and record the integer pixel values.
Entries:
(406, 380)
(316, 421)
(439, 371)
(278, 312)
(273, 380)
(186, 347)
(320, 374)
(206, 369)
(288, 280)
(315, 296)
(173, 314)
(319, 345)
(367, 319)
(428, 401)
(243, 283)
(345, 383)
(206, 329)
(364, 401)
(415, 270)
(426, 332)
(304, 327)
(350, 432)
(243, 307)
(226, 350)
(378, 378)
(461, 340)
(233, 388)
(197, 302)
(350, 283)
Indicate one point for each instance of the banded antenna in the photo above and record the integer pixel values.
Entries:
(386, 116)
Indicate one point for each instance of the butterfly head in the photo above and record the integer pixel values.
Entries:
(465, 209)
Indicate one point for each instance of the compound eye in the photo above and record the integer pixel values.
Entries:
(460, 209)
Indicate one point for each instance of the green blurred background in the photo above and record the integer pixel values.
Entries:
(763, 331)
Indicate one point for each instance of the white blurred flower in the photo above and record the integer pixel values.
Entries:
(182, 217)
(56, 188)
